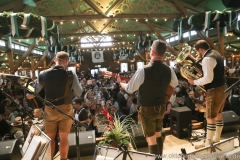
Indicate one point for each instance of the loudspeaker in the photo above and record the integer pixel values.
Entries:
(87, 143)
(137, 132)
(140, 140)
(231, 3)
(6, 149)
(180, 121)
(231, 121)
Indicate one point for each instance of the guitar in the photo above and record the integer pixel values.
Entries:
(108, 74)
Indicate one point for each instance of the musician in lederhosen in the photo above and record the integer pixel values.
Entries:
(58, 84)
(215, 84)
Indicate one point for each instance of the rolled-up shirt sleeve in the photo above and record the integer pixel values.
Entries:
(174, 80)
(208, 64)
(76, 86)
(136, 81)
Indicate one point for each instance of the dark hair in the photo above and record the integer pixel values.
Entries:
(78, 101)
(202, 44)
(134, 100)
(159, 47)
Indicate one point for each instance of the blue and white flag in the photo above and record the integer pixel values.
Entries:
(97, 56)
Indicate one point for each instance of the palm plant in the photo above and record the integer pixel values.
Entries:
(118, 132)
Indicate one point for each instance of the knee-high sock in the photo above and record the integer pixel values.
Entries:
(211, 128)
(219, 127)
(153, 149)
(160, 145)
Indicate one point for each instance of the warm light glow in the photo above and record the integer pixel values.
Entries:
(146, 20)
(165, 19)
(72, 22)
(136, 20)
(61, 22)
(126, 20)
(155, 19)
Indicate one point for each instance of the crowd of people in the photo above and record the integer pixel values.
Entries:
(87, 94)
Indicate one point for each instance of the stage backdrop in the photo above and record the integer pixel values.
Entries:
(97, 56)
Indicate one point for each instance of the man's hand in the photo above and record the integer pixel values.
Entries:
(118, 78)
(191, 81)
(30, 96)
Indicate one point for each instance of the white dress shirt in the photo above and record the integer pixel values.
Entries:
(208, 64)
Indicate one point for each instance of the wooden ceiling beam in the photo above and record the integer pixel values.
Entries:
(40, 60)
(180, 8)
(119, 16)
(109, 33)
(106, 25)
(10, 6)
(92, 26)
(30, 49)
(113, 7)
(171, 49)
(189, 6)
(94, 7)
(199, 3)
(157, 25)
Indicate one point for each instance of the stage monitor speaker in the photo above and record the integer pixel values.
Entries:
(180, 122)
(87, 143)
(137, 132)
(231, 3)
(8, 149)
(231, 121)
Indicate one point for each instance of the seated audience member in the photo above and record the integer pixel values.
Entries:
(80, 113)
(10, 118)
(190, 103)
(4, 127)
(118, 114)
(134, 110)
(38, 113)
(235, 102)
(166, 119)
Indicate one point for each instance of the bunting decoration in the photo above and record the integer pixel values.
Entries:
(207, 22)
(35, 41)
(14, 24)
(26, 20)
(44, 27)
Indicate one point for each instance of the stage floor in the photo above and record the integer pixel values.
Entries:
(173, 145)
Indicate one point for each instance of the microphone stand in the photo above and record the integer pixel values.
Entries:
(22, 112)
(229, 88)
(76, 122)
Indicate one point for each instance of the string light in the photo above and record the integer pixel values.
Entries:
(61, 22)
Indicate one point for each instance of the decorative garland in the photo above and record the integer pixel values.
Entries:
(207, 20)
(26, 25)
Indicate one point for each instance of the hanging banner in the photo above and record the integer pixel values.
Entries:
(97, 56)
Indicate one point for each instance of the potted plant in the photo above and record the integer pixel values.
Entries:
(118, 133)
